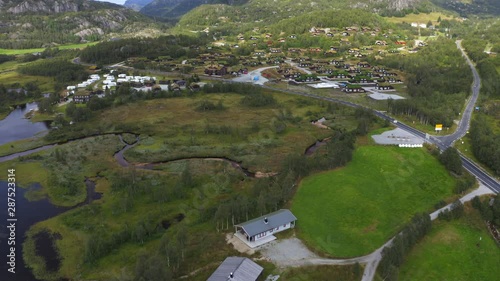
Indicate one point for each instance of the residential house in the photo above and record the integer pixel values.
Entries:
(363, 65)
(236, 269)
(275, 50)
(216, 70)
(384, 86)
(263, 228)
(353, 88)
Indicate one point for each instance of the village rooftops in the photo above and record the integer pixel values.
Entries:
(274, 220)
(236, 269)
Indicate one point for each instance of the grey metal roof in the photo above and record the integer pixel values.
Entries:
(275, 219)
(243, 269)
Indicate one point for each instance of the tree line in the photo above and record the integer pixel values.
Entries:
(485, 142)
(62, 70)
(393, 255)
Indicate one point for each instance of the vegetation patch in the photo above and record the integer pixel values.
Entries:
(324, 273)
(353, 210)
(458, 250)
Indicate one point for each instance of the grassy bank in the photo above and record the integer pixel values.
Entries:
(37, 50)
(456, 250)
(354, 210)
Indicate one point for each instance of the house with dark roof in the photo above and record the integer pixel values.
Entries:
(260, 230)
(236, 269)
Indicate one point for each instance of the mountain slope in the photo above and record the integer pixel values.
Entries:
(136, 5)
(39, 23)
(260, 13)
(472, 7)
(177, 8)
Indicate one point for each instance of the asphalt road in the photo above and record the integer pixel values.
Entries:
(463, 125)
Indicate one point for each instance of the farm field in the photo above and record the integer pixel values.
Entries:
(353, 210)
(456, 250)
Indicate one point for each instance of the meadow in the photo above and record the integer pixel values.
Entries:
(353, 210)
(458, 250)
(37, 50)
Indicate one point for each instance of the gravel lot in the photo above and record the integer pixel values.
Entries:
(397, 136)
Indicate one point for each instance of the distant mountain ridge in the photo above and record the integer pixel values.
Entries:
(136, 5)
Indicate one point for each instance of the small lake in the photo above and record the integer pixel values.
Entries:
(16, 127)
(27, 214)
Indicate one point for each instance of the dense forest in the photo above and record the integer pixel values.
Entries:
(485, 142)
(62, 70)
(119, 50)
(435, 97)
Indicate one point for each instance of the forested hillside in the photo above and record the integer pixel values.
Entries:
(177, 8)
(436, 98)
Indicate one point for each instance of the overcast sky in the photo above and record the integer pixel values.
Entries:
(114, 1)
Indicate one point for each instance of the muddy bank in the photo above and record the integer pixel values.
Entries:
(315, 146)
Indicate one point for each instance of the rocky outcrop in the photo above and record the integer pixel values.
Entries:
(399, 5)
(50, 7)
(89, 31)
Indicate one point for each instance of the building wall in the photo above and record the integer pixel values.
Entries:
(273, 231)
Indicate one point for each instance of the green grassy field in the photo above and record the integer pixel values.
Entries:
(457, 250)
(323, 273)
(353, 210)
(36, 50)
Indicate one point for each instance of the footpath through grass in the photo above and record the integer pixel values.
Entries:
(457, 250)
(354, 210)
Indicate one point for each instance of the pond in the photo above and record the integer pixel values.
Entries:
(16, 127)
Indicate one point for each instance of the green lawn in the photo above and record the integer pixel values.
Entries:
(353, 210)
(323, 273)
(454, 251)
(36, 50)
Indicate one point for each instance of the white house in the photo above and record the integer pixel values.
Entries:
(260, 230)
